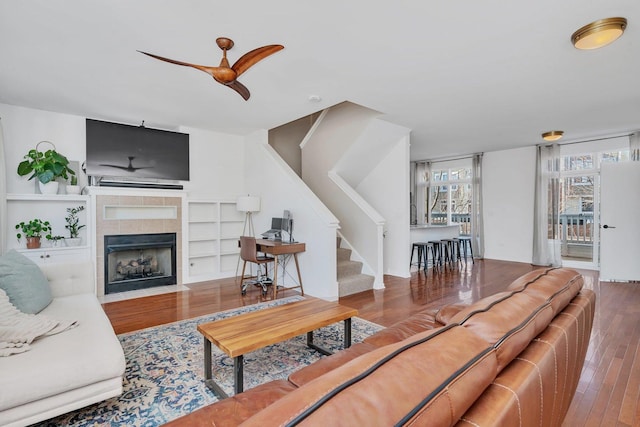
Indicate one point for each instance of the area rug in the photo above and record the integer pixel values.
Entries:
(164, 373)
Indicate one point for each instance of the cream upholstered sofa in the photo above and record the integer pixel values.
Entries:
(72, 369)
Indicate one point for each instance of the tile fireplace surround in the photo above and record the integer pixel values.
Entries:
(120, 214)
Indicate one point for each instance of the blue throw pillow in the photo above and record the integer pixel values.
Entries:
(24, 283)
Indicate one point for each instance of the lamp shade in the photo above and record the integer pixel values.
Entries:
(248, 204)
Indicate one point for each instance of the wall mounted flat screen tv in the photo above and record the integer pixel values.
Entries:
(135, 152)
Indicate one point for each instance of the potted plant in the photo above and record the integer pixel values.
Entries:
(46, 166)
(33, 231)
(73, 225)
(73, 187)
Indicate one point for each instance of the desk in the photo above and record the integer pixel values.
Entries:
(276, 248)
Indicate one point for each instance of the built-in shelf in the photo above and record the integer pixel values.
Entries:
(214, 227)
(52, 208)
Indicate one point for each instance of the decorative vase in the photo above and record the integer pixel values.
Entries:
(50, 187)
(73, 189)
(33, 242)
(73, 241)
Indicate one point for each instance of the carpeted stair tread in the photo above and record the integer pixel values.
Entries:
(348, 268)
(354, 283)
(344, 254)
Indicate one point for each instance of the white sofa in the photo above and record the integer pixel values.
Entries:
(70, 370)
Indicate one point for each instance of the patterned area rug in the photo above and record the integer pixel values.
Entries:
(164, 373)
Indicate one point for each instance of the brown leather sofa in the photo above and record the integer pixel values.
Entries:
(511, 359)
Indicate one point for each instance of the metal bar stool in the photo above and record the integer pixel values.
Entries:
(465, 243)
(449, 252)
(422, 253)
(436, 251)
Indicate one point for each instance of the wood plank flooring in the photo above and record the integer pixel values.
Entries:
(609, 387)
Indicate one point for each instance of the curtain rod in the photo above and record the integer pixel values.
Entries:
(591, 140)
(447, 159)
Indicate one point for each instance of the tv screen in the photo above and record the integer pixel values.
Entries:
(136, 152)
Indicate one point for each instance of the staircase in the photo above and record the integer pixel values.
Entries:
(350, 277)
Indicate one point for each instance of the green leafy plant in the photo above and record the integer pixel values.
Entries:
(34, 228)
(74, 180)
(46, 166)
(73, 221)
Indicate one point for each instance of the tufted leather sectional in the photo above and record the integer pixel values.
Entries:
(511, 359)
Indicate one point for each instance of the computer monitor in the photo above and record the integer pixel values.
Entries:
(276, 223)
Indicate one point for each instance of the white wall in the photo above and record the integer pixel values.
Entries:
(508, 188)
(217, 159)
(379, 188)
(280, 188)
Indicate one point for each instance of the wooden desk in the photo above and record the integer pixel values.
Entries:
(276, 248)
(251, 331)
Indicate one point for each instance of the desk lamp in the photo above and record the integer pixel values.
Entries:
(248, 204)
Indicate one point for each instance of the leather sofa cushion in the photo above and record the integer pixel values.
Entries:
(233, 411)
(545, 375)
(380, 389)
(419, 322)
(509, 324)
(445, 314)
(557, 285)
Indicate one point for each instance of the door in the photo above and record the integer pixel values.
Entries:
(620, 221)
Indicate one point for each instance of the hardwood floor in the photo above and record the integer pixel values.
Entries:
(609, 387)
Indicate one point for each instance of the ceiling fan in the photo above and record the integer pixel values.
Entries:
(128, 168)
(224, 73)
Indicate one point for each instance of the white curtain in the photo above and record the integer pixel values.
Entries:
(423, 175)
(634, 146)
(3, 195)
(546, 246)
(477, 223)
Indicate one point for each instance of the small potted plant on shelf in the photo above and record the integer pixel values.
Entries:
(73, 187)
(33, 231)
(73, 225)
(46, 166)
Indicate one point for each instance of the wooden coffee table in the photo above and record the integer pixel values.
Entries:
(247, 332)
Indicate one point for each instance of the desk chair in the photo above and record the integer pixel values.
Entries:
(249, 253)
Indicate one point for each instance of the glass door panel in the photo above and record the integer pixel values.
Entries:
(576, 220)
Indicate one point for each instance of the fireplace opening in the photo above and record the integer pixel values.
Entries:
(139, 261)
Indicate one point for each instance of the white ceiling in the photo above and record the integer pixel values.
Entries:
(464, 76)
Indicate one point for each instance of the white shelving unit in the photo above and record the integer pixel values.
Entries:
(52, 208)
(213, 228)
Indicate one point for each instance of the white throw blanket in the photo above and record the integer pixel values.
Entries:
(18, 329)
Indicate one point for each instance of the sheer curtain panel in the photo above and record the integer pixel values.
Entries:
(477, 224)
(546, 247)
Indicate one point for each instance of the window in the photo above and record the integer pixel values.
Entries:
(449, 200)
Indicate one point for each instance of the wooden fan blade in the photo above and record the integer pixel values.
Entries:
(250, 58)
(240, 88)
(209, 70)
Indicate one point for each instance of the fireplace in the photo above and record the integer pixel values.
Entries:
(139, 261)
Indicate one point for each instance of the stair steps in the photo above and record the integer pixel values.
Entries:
(350, 277)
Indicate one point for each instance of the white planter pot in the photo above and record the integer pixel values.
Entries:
(50, 187)
(73, 189)
(73, 241)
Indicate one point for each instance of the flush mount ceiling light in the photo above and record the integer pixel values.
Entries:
(599, 33)
(552, 135)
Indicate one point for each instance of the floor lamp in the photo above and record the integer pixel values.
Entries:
(249, 205)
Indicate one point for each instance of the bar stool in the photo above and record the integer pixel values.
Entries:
(465, 242)
(422, 253)
(437, 249)
(449, 250)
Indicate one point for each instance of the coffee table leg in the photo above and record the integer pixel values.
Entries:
(208, 377)
(317, 348)
(238, 376)
(347, 333)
